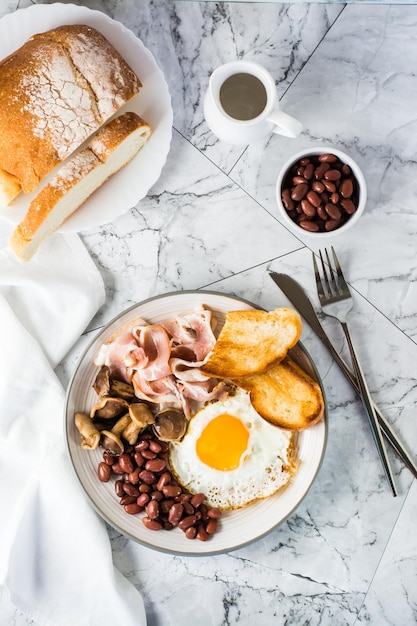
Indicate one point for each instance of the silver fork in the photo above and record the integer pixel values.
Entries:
(336, 300)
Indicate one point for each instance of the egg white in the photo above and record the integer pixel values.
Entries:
(267, 465)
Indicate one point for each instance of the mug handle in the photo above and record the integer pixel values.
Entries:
(284, 124)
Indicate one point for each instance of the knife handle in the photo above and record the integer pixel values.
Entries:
(383, 423)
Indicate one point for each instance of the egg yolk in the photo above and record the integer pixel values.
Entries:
(223, 442)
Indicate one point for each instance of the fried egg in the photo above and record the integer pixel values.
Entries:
(232, 455)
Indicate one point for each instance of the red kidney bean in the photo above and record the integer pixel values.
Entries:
(143, 499)
(191, 532)
(175, 513)
(332, 183)
(152, 524)
(125, 462)
(186, 522)
(211, 526)
(145, 484)
(104, 472)
(152, 509)
(147, 477)
(132, 509)
(163, 481)
(170, 491)
(202, 534)
(131, 490)
(127, 500)
(299, 191)
(156, 465)
(197, 500)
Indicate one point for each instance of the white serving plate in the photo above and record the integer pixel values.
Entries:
(238, 528)
(128, 186)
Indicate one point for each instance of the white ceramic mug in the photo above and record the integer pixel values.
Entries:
(241, 104)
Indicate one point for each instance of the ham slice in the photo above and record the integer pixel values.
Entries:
(163, 360)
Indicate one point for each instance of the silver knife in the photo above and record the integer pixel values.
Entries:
(299, 299)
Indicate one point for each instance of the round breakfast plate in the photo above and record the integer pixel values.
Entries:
(128, 186)
(239, 527)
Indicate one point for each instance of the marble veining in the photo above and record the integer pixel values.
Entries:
(348, 555)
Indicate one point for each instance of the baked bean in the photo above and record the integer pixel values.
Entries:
(139, 460)
(331, 195)
(142, 444)
(155, 446)
(214, 513)
(134, 476)
(118, 487)
(104, 472)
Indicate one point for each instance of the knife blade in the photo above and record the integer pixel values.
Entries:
(299, 299)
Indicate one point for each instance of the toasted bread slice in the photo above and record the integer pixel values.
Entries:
(285, 396)
(252, 340)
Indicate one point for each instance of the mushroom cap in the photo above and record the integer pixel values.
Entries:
(111, 443)
(141, 414)
(170, 424)
(101, 384)
(109, 408)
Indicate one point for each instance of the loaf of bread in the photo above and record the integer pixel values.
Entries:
(251, 340)
(56, 90)
(113, 146)
(285, 395)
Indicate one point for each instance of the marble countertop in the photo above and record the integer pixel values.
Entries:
(348, 554)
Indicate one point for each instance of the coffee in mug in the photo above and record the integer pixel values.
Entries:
(241, 104)
(243, 96)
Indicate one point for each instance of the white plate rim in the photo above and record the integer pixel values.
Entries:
(150, 539)
(124, 190)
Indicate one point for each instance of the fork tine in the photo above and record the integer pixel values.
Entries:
(342, 280)
(325, 276)
(319, 284)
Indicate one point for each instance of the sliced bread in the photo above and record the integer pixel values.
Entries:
(285, 395)
(111, 148)
(252, 340)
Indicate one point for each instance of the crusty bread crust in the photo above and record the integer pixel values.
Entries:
(285, 396)
(251, 340)
(55, 92)
(111, 148)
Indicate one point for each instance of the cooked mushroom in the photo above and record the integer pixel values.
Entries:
(141, 416)
(102, 382)
(111, 439)
(122, 390)
(109, 408)
(170, 424)
(89, 434)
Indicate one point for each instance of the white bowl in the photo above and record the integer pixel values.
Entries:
(362, 192)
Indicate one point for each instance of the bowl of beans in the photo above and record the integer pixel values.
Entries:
(321, 192)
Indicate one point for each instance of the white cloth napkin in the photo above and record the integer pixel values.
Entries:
(55, 555)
